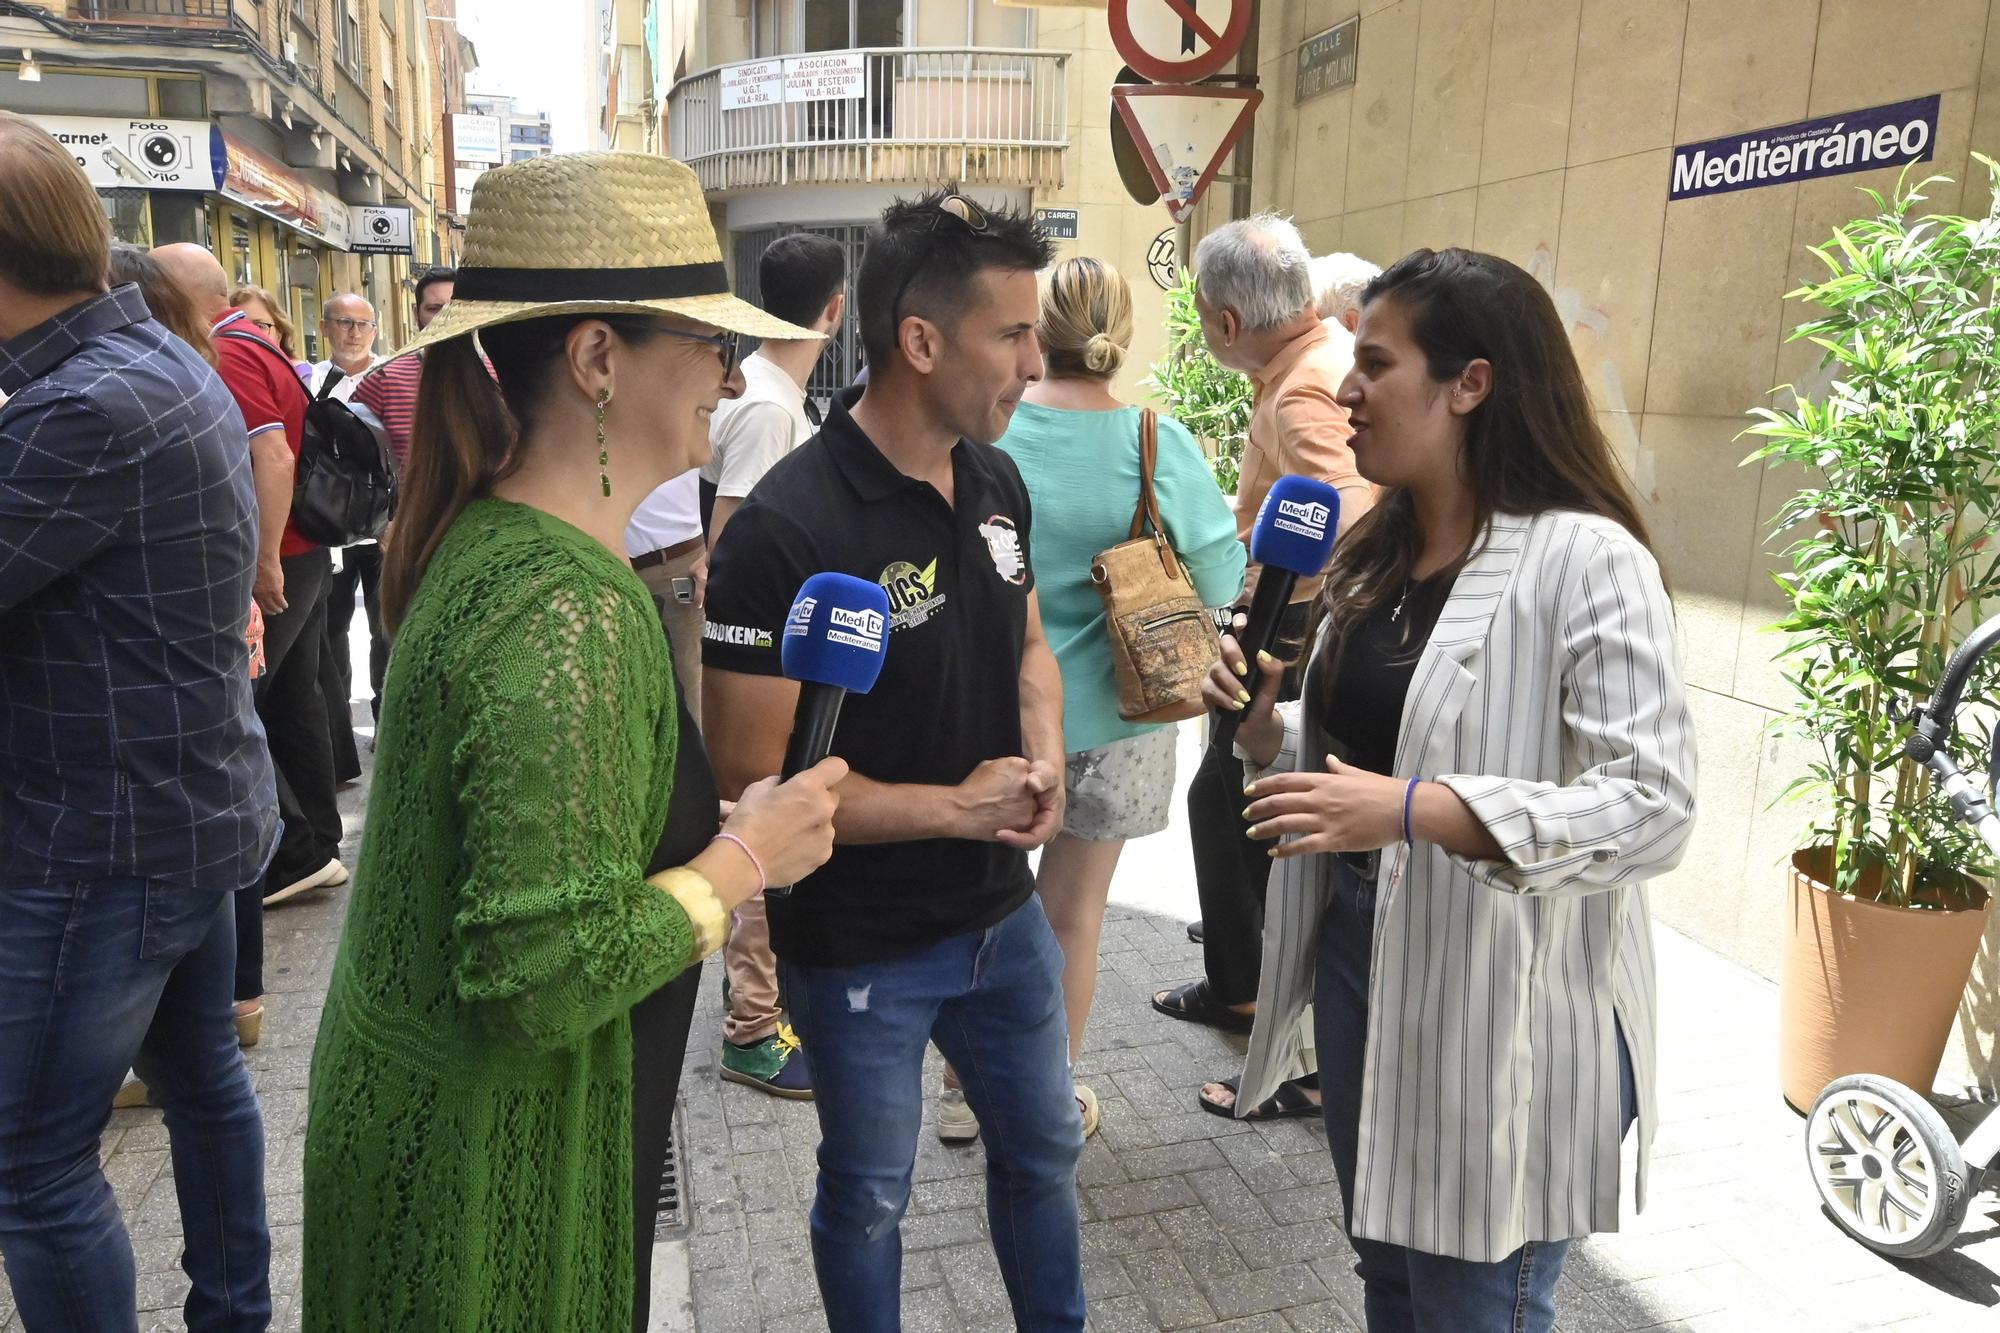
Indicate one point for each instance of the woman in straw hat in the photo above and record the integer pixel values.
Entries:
(504, 1028)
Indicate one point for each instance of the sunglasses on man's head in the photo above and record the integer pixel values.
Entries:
(955, 207)
(726, 345)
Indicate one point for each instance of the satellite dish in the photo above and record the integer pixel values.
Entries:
(1132, 169)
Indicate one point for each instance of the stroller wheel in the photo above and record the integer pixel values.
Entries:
(1886, 1167)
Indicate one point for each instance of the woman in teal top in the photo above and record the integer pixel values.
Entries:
(1078, 450)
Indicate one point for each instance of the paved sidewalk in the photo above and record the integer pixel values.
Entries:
(1192, 1221)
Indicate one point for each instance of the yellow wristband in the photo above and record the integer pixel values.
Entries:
(691, 889)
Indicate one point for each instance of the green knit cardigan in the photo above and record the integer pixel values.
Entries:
(468, 1161)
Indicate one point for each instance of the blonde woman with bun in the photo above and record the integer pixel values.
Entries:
(1077, 446)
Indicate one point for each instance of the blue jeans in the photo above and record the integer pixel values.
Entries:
(95, 978)
(1405, 1290)
(992, 1000)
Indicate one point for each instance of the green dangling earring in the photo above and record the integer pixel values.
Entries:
(603, 455)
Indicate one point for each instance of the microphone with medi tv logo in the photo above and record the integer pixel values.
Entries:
(835, 635)
(1293, 537)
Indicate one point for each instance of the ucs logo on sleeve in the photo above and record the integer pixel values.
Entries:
(1305, 517)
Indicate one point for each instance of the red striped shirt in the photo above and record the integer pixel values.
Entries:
(390, 392)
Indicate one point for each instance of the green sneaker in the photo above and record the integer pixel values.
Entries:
(776, 1064)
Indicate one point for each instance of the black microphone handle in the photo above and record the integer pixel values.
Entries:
(1267, 611)
(813, 722)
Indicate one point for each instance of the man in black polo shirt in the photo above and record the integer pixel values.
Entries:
(924, 926)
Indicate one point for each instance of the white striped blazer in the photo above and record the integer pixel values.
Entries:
(1549, 698)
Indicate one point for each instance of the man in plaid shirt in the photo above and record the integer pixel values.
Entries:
(136, 791)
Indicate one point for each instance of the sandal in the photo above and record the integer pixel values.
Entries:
(1288, 1102)
(1196, 1003)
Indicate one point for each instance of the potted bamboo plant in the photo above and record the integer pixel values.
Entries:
(1886, 907)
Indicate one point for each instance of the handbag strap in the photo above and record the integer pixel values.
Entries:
(1149, 450)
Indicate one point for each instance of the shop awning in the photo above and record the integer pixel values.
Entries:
(265, 185)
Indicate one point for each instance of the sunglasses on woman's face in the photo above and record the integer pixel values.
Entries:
(726, 346)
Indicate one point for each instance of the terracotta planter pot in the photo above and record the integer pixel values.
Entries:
(1866, 988)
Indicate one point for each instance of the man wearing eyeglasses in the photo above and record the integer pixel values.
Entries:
(348, 326)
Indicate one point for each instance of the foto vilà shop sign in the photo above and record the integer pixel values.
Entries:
(1883, 136)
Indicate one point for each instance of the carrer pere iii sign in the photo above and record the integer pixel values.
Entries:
(1882, 136)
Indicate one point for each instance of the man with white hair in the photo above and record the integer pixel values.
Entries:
(1254, 291)
(1337, 282)
(348, 326)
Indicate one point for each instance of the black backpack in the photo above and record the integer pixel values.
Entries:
(345, 490)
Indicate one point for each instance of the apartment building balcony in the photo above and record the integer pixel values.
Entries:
(158, 13)
(912, 115)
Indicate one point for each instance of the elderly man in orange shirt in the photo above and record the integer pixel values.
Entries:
(1254, 290)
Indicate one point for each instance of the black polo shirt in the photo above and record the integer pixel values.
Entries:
(949, 695)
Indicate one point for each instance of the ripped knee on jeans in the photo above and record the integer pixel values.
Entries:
(867, 1211)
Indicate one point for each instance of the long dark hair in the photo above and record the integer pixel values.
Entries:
(1532, 446)
(466, 428)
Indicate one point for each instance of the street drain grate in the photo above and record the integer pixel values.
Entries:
(670, 1217)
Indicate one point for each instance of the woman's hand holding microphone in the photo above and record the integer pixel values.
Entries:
(775, 833)
(1341, 810)
(1228, 689)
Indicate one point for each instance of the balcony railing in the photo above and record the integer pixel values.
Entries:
(166, 13)
(921, 115)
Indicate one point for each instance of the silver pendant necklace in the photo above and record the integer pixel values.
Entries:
(1396, 615)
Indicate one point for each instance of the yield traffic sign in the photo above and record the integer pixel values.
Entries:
(1179, 41)
(1184, 132)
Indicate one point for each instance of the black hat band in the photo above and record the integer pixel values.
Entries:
(591, 284)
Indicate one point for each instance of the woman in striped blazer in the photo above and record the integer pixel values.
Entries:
(1491, 757)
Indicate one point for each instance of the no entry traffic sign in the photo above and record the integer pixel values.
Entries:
(1179, 41)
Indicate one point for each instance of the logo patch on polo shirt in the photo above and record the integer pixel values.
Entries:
(742, 636)
(1005, 545)
(913, 594)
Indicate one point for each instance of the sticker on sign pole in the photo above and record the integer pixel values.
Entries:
(1184, 133)
(1179, 41)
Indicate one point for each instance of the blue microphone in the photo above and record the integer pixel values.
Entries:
(1293, 536)
(835, 635)
(834, 639)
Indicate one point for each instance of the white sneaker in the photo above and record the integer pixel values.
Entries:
(327, 876)
(955, 1121)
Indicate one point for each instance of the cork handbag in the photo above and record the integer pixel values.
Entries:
(1162, 638)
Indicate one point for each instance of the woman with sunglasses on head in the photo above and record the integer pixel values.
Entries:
(501, 1045)
(1491, 756)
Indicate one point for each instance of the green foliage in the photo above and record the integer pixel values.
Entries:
(1895, 563)
(1212, 402)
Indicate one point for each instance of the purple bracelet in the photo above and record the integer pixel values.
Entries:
(763, 882)
(1409, 799)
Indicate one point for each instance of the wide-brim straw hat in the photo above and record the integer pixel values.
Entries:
(593, 234)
